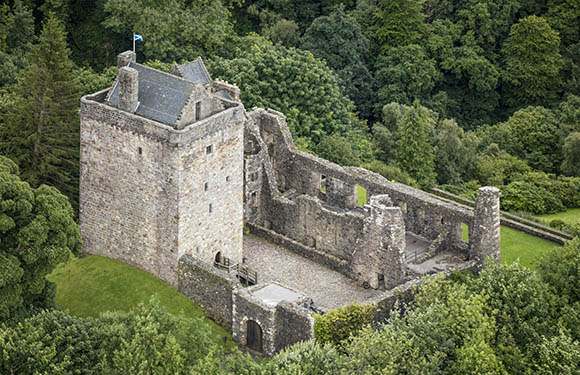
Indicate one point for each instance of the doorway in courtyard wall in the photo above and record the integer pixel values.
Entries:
(254, 336)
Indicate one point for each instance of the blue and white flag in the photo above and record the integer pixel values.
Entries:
(137, 37)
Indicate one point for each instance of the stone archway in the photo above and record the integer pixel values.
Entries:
(254, 336)
(218, 257)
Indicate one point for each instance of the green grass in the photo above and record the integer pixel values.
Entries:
(89, 286)
(519, 245)
(361, 193)
(570, 216)
(529, 249)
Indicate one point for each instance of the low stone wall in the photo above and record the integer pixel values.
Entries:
(514, 221)
(404, 294)
(317, 256)
(209, 287)
(294, 324)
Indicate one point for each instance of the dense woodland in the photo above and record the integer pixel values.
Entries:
(448, 93)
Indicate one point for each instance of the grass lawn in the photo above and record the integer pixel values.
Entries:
(570, 216)
(361, 194)
(89, 286)
(528, 248)
(515, 244)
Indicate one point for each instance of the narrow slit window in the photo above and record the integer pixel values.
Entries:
(197, 111)
(227, 178)
(210, 208)
(205, 186)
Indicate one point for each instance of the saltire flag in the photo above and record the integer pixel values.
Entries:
(137, 37)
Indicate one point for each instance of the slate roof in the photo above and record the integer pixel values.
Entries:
(195, 71)
(162, 96)
(224, 95)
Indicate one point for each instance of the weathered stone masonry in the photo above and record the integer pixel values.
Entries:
(172, 168)
(151, 191)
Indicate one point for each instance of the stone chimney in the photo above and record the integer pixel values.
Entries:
(124, 58)
(128, 89)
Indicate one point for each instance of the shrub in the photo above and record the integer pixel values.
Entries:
(390, 172)
(557, 223)
(339, 325)
(524, 196)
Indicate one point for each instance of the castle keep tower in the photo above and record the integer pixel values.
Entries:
(161, 168)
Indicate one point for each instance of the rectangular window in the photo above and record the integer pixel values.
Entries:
(197, 111)
(209, 149)
(210, 208)
(140, 151)
(205, 186)
(227, 178)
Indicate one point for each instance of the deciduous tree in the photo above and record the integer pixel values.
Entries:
(37, 231)
(531, 63)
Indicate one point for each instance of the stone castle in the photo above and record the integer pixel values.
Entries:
(174, 170)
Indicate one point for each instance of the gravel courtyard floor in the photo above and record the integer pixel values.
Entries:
(329, 289)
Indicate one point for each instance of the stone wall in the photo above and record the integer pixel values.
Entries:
(209, 287)
(294, 324)
(128, 208)
(150, 193)
(282, 325)
(298, 193)
(246, 307)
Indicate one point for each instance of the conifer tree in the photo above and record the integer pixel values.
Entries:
(413, 148)
(41, 133)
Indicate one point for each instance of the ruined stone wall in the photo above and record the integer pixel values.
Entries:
(424, 214)
(209, 287)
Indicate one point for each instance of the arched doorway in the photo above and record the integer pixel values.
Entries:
(254, 336)
(218, 257)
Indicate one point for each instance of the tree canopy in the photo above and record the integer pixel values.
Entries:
(37, 231)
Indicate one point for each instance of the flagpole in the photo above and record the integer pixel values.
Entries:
(133, 42)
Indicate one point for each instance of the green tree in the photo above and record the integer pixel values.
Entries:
(283, 31)
(305, 358)
(397, 23)
(406, 73)
(497, 167)
(290, 81)
(559, 355)
(532, 63)
(16, 37)
(37, 231)
(571, 151)
(535, 130)
(470, 78)
(339, 41)
(414, 151)
(455, 153)
(337, 149)
(172, 30)
(41, 132)
(570, 73)
(564, 16)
